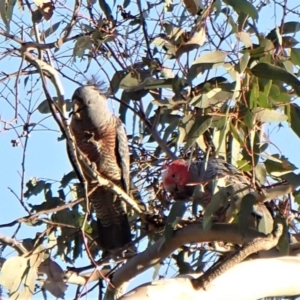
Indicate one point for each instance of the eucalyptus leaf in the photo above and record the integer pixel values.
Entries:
(177, 211)
(268, 115)
(205, 62)
(201, 124)
(243, 6)
(268, 71)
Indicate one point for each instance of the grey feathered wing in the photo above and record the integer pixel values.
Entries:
(113, 225)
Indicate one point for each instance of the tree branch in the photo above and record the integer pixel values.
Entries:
(193, 233)
(12, 243)
(256, 245)
(253, 279)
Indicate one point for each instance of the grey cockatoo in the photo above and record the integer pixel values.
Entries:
(180, 179)
(100, 135)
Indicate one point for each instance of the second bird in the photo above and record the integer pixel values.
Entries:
(180, 180)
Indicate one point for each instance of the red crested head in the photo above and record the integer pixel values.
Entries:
(175, 175)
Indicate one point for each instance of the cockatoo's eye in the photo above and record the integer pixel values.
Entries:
(173, 175)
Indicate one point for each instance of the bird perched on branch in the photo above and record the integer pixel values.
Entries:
(102, 138)
(181, 179)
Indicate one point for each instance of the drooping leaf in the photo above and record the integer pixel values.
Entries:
(205, 62)
(212, 98)
(44, 108)
(46, 8)
(295, 56)
(243, 6)
(105, 8)
(6, 12)
(54, 282)
(287, 28)
(135, 79)
(51, 29)
(240, 68)
(268, 115)
(266, 223)
(183, 263)
(18, 277)
(192, 44)
(284, 240)
(34, 187)
(295, 118)
(67, 178)
(260, 173)
(276, 166)
(124, 106)
(245, 212)
(199, 127)
(126, 3)
(176, 213)
(218, 198)
(192, 6)
(245, 38)
(268, 71)
(82, 44)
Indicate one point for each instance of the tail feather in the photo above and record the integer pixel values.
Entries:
(114, 236)
(112, 220)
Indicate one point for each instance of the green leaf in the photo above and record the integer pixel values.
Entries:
(284, 240)
(292, 178)
(34, 187)
(44, 108)
(277, 96)
(205, 62)
(268, 71)
(126, 3)
(192, 6)
(192, 44)
(295, 56)
(240, 68)
(18, 277)
(245, 212)
(6, 12)
(182, 261)
(161, 83)
(105, 8)
(266, 223)
(236, 134)
(49, 204)
(82, 44)
(268, 115)
(212, 98)
(288, 27)
(36, 16)
(123, 107)
(51, 29)
(278, 166)
(295, 118)
(201, 124)
(176, 213)
(116, 80)
(135, 79)
(67, 178)
(243, 6)
(217, 200)
(263, 101)
(245, 38)
(156, 269)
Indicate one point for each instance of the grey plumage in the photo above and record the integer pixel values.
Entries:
(102, 138)
(181, 180)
